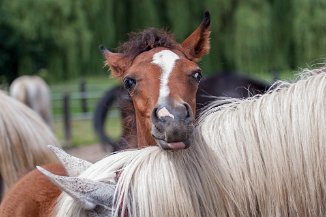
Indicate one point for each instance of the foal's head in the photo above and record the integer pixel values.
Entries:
(162, 78)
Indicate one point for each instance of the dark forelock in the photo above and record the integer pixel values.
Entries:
(146, 40)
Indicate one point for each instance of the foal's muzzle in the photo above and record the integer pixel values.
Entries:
(172, 126)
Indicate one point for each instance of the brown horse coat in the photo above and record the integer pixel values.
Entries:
(34, 195)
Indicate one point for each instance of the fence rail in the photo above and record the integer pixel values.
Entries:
(76, 105)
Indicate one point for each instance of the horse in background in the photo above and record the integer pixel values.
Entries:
(263, 156)
(116, 96)
(228, 84)
(35, 93)
(225, 84)
(23, 141)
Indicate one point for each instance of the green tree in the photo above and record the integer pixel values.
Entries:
(59, 39)
(100, 19)
(252, 38)
(51, 34)
(9, 52)
(221, 56)
(309, 32)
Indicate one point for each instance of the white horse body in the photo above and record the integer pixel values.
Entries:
(263, 156)
(35, 93)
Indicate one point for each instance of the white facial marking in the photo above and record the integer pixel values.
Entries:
(163, 112)
(166, 60)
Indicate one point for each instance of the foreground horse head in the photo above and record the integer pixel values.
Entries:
(162, 78)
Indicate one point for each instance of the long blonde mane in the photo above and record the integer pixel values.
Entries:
(158, 183)
(263, 156)
(273, 148)
(23, 140)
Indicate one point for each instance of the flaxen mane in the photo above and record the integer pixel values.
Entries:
(23, 140)
(157, 183)
(273, 148)
(263, 156)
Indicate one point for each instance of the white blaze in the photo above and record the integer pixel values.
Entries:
(166, 60)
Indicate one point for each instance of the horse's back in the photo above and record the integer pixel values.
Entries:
(228, 84)
(33, 195)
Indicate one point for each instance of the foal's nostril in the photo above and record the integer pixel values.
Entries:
(155, 113)
(188, 109)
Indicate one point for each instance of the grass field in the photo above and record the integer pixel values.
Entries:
(82, 129)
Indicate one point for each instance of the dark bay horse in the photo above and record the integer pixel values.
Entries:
(117, 95)
(229, 84)
(222, 84)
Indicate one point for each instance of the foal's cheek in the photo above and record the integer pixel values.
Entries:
(190, 93)
(144, 105)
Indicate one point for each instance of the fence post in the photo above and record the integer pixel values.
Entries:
(66, 119)
(83, 96)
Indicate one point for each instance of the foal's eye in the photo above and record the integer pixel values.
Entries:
(197, 76)
(129, 83)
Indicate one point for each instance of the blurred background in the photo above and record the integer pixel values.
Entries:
(58, 40)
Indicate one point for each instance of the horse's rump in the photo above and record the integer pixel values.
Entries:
(35, 93)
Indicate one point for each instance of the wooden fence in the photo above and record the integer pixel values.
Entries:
(76, 105)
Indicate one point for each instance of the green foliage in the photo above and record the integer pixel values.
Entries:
(99, 20)
(83, 132)
(309, 30)
(50, 34)
(251, 38)
(281, 39)
(59, 39)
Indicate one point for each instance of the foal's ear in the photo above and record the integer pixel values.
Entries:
(197, 44)
(117, 62)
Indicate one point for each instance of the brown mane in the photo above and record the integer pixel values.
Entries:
(146, 40)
